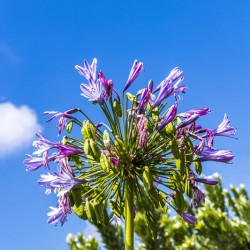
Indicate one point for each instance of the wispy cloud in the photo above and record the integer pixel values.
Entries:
(7, 52)
(18, 126)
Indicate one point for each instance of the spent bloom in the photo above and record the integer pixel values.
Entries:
(63, 117)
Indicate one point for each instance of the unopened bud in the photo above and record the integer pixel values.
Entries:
(88, 131)
(79, 211)
(117, 107)
(106, 140)
(69, 126)
(87, 148)
(105, 165)
(95, 149)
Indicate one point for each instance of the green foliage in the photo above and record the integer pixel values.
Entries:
(223, 222)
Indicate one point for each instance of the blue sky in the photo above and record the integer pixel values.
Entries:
(40, 43)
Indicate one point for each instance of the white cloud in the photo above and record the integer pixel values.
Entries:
(18, 126)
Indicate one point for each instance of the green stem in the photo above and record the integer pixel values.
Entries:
(129, 214)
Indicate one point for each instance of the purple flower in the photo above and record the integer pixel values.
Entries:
(224, 129)
(43, 144)
(63, 118)
(134, 73)
(114, 161)
(200, 112)
(215, 155)
(33, 163)
(108, 87)
(89, 71)
(156, 183)
(199, 196)
(207, 181)
(174, 74)
(94, 93)
(63, 180)
(169, 116)
(189, 120)
(144, 100)
(65, 151)
(57, 214)
(189, 218)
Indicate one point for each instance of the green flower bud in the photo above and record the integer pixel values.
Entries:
(198, 167)
(69, 126)
(179, 201)
(170, 130)
(179, 182)
(90, 211)
(88, 131)
(162, 199)
(118, 210)
(188, 189)
(175, 149)
(121, 150)
(77, 197)
(106, 140)
(155, 114)
(131, 97)
(100, 212)
(87, 148)
(95, 149)
(77, 161)
(147, 179)
(117, 107)
(79, 211)
(105, 163)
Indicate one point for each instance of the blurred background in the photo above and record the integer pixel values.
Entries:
(42, 41)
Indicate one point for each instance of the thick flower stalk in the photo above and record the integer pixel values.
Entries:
(146, 145)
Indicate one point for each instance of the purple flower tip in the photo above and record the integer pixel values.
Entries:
(189, 218)
(207, 181)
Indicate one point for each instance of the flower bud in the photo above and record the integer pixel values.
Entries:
(79, 211)
(198, 167)
(88, 131)
(106, 140)
(170, 130)
(69, 126)
(99, 212)
(131, 97)
(87, 148)
(147, 179)
(175, 149)
(90, 211)
(117, 107)
(105, 163)
(118, 210)
(179, 200)
(95, 149)
(188, 189)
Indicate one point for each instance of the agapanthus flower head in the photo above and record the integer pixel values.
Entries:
(131, 153)
(63, 117)
(134, 73)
